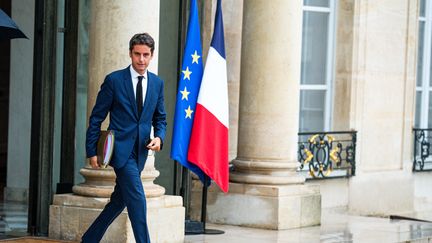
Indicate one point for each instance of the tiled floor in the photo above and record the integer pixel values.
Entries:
(13, 219)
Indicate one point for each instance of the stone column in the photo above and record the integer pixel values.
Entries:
(269, 93)
(106, 55)
(113, 23)
(264, 180)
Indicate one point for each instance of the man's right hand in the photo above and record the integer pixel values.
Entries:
(93, 162)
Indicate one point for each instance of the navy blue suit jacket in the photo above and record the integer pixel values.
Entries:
(116, 96)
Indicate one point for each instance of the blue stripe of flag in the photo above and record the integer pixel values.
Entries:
(218, 35)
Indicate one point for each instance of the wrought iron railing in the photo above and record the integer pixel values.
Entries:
(327, 154)
(422, 153)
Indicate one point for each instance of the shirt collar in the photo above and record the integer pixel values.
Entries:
(135, 74)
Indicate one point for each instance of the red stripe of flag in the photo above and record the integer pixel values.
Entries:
(208, 146)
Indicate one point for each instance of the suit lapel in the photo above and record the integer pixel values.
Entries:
(129, 91)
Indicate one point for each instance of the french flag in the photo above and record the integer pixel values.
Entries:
(208, 147)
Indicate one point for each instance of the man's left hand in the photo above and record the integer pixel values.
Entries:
(155, 144)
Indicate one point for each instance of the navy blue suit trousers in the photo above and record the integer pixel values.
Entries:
(128, 192)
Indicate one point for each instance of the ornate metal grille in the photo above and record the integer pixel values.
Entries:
(327, 154)
(422, 153)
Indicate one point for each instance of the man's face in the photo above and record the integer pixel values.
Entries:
(140, 56)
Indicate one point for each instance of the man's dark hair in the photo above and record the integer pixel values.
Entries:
(142, 39)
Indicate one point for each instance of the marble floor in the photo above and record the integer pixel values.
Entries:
(335, 227)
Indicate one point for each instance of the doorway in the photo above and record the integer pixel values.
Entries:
(15, 97)
(4, 102)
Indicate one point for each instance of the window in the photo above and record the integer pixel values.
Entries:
(423, 114)
(317, 65)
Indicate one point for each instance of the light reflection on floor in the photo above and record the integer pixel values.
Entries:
(13, 219)
(335, 227)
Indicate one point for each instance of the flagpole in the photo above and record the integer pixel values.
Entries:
(204, 210)
(192, 227)
(204, 202)
(185, 190)
(175, 181)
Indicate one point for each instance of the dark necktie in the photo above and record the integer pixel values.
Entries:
(139, 95)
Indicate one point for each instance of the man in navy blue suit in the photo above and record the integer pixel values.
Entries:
(134, 98)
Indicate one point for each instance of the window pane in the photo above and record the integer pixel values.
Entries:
(422, 8)
(316, 3)
(429, 125)
(314, 48)
(417, 109)
(312, 103)
(420, 53)
(430, 63)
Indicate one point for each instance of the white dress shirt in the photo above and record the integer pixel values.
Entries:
(134, 76)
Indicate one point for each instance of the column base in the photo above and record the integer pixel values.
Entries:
(261, 206)
(71, 215)
(101, 182)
